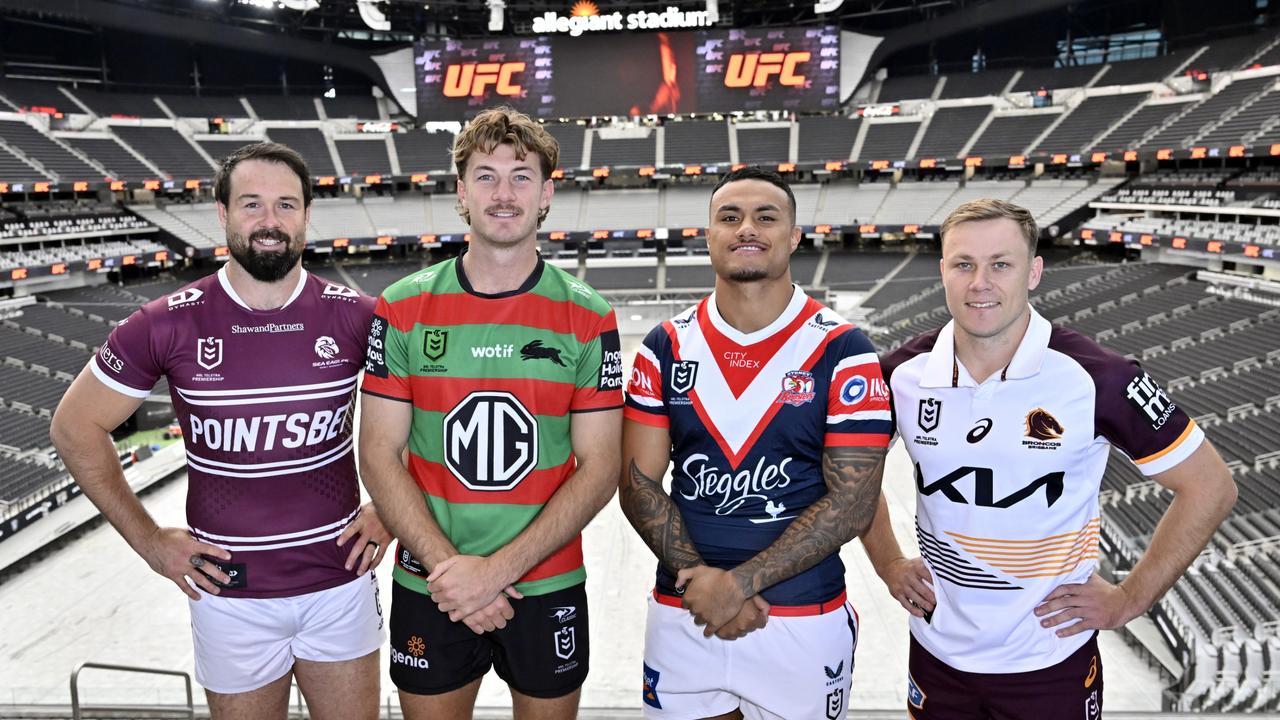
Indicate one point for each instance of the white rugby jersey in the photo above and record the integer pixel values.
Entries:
(1007, 480)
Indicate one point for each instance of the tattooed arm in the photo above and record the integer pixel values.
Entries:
(646, 450)
(853, 489)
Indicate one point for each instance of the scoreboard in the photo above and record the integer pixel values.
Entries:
(666, 72)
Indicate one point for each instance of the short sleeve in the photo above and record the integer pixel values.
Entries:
(1136, 415)
(858, 412)
(386, 365)
(645, 403)
(126, 362)
(598, 383)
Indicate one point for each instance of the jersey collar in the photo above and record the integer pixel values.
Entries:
(225, 282)
(794, 306)
(943, 369)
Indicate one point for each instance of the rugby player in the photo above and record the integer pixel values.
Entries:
(773, 409)
(502, 376)
(262, 360)
(1009, 421)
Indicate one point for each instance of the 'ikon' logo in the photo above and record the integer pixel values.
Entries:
(472, 79)
(755, 69)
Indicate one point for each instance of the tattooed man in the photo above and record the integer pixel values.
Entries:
(774, 414)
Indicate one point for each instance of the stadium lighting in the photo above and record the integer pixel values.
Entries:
(496, 17)
(826, 6)
(372, 16)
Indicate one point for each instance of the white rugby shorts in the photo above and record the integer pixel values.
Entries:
(799, 665)
(242, 644)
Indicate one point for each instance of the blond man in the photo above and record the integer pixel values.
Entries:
(1009, 421)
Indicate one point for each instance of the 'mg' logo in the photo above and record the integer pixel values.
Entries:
(490, 441)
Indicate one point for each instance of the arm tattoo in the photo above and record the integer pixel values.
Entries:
(853, 489)
(658, 521)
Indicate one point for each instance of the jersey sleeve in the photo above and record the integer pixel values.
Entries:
(599, 371)
(645, 403)
(127, 362)
(858, 400)
(1136, 415)
(386, 365)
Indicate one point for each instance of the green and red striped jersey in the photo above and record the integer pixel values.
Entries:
(493, 380)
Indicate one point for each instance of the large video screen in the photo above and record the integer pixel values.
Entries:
(631, 74)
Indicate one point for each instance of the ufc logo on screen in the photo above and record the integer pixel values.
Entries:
(472, 79)
(755, 69)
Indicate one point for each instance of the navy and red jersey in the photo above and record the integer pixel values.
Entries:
(749, 416)
(265, 401)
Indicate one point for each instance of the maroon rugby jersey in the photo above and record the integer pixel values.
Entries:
(265, 399)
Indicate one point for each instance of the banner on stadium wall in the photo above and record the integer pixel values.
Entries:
(657, 73)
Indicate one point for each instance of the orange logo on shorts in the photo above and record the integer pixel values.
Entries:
(417, 647)
(1093, 672)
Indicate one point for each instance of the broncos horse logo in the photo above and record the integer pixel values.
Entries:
(1043, 426)
(537, 351)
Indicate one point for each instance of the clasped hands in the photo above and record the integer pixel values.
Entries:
(471, 589)
(718, 603)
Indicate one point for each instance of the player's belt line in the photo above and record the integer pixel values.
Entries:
(1092, 523)
(278, 464)
(279, 546)
(264, 391)
(276, 399)
(861, 415)
(985, 550)
(268, 473)
(283, 536)
(854, 361)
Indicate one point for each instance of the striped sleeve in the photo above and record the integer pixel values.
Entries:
(858, 399)
(645, 403)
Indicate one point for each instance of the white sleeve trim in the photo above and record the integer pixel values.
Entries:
(116, 384)
(1174, 455)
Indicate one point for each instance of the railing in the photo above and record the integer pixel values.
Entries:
(77, 709)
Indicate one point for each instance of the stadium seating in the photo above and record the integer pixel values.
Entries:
(421, 151)
(1129, 133)
(887, 141)
(979, 84)
(204, 106)
(281, 107)
(167, 149)
(56, 159)
(1088, 120)
(821, 138)
(950, 130)
(356, 107)
(364, 156)
(763, 145)
(309, 143)
(110, 104)
(625, 151)
(119, 163)
(1179, 132)
(1012, 134)
(571, 138)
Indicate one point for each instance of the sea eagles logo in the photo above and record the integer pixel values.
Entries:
(434, 343)
(683, 375)
(537, 351)
(929, 414)
(326, 347)
(209, 352)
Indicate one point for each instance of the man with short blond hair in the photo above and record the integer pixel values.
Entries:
(501, 376)
(1009, 421)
